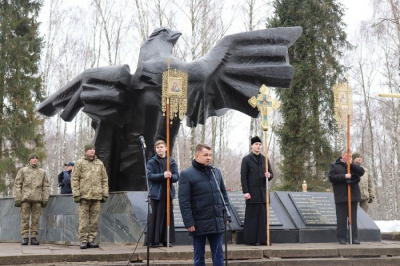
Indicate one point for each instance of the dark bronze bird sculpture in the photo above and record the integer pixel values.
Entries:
(123, 106)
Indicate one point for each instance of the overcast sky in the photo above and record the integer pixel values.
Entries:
(356, 11)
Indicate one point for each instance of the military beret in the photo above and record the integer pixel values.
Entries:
(356, 155)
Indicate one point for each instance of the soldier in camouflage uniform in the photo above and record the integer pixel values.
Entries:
(31, 192)
(366, 185)
(89, 183)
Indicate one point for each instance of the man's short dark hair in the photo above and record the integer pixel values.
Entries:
(158, 142)
(202, 146)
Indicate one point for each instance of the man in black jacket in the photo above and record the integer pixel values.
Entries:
(340, 179)
(253, 178)
(200, 201)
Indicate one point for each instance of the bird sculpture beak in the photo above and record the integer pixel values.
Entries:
(175, 36)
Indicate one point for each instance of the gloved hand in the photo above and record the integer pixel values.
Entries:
(77, 199)
(370, 199)
(44, 204)
(354, 179)
(18, 203)
(104, 199)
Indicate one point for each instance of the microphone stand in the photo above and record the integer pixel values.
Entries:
(226, 214)
(149, 210)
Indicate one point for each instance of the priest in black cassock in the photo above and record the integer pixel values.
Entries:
(253, 178)
(157, 175)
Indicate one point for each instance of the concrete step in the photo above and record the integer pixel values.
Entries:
(289, 262)
(388, 261)
(325, 254)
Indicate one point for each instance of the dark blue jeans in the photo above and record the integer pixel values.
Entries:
(199, 244)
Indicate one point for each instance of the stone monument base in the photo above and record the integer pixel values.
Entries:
(296, 217)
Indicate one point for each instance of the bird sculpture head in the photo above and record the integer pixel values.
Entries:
(165, 35)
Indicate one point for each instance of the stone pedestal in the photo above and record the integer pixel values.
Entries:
(295, 218)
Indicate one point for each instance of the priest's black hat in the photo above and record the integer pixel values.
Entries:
(255, 139)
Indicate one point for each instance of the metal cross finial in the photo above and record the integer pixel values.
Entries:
(169, 62)
(347, 77)
(264, 104)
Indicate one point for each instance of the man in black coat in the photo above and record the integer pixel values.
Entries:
(253, 178)
(340, 179)
(201, 189)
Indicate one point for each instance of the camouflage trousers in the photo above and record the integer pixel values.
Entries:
(89, 213)
(364, 205)
(30, 210)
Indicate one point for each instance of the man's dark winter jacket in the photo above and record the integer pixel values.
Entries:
(64, 181)
(157, 181)
(253, 178)
(337, 175)
(199, 200)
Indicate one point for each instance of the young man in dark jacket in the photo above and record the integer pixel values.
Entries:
(254, 181)
(157, 174)
(200, 201)
(340, 179)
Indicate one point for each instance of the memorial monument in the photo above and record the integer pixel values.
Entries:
(125, 106)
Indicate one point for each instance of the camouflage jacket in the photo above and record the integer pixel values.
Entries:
(31, 185)
(366, 186)
(89, 179)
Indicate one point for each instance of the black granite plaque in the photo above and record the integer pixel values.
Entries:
(178, 221)
(238, 205)
(314, 209)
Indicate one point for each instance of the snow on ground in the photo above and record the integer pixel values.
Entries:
(388, 226)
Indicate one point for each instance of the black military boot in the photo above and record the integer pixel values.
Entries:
(83, 245)
(24, 242)
(34, 241)
(92, 245)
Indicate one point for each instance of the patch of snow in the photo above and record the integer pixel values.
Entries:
(388, 226)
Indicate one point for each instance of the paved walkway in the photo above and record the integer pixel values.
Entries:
(52, 254)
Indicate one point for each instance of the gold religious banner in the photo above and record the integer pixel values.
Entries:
(264, 104)
(343, 103)
(173, 104)
(174, 92)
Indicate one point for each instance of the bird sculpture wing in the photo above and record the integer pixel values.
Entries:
(103, 92)
(234, 70)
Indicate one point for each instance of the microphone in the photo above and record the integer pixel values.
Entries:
(142, 141)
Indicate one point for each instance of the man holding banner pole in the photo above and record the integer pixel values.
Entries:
(255, 174)
(254, 179)
(341, 180)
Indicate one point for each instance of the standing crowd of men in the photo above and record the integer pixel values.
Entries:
(203, 199)
(87, 181)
